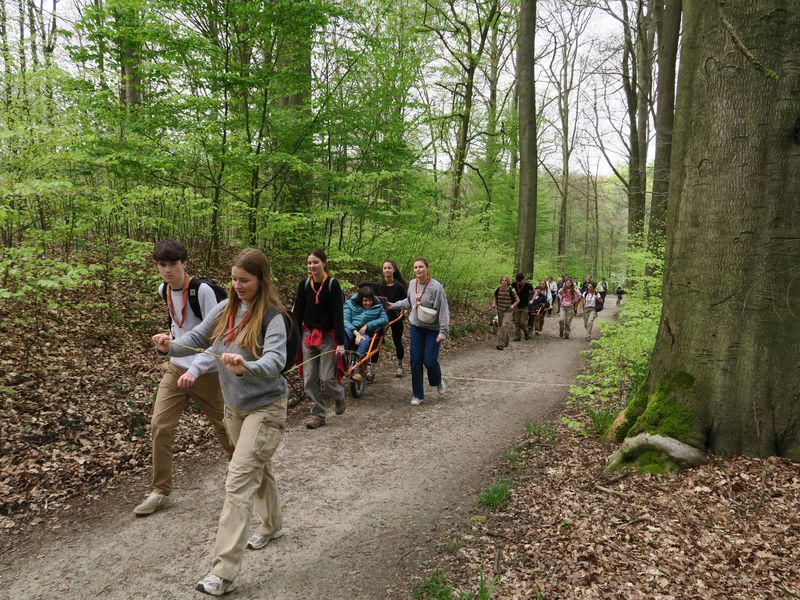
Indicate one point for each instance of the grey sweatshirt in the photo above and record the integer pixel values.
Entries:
(434, 297)
(262, 383)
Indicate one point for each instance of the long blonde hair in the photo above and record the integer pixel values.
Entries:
(256, 264)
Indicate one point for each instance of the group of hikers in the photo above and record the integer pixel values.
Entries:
(228, 352)
(521, 308)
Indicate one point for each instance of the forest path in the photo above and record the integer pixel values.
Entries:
(366, 498)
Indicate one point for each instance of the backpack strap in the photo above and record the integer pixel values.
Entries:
(194, 297)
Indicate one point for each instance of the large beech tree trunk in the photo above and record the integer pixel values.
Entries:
(731, 316)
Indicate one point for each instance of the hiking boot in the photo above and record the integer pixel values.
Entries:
(536, 332)
(527, 335)
(258, 540)
(561, 333)
(314, 423)
(152, 503)
(442, 387)
(399, 371)
(517, 339)
(416, 401)
(566, 336)
(356, 374)
(500, 346)
(214, 585)
(341, 406)
(370, 376)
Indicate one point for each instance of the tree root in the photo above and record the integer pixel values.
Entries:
(676, 451)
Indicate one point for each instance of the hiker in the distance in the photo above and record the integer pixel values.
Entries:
(525, 294)
(393, 288)
(568, 298)
(183, 298)
(539, 305)
(318, 310)
(504, 303)
(592, 301)
(248, 335)
(430, 324)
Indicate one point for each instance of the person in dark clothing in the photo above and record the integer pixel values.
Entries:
(525, 294)
(318, 310)
(619, 294)
(393, 287)
(540, 302)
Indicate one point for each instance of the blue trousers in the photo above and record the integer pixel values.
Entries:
(424, 350)
(363, 347)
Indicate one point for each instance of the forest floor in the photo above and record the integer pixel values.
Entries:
(384, 498)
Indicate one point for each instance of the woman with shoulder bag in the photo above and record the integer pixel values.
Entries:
(430, 324)
(591, 301)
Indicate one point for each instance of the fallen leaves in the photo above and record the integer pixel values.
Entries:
(728, 529)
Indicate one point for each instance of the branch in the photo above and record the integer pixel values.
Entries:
(760, 67)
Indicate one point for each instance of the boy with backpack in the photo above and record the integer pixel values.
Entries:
(188, 300)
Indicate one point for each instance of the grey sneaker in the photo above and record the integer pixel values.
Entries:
(370, 375)
(258, 540)
(152, 503)
(399, 371)
(442, 387)
(416, 401)
(214, 585)
(341, 406)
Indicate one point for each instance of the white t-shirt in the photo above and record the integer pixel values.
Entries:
(208, 301)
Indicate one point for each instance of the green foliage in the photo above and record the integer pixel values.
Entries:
(575, 426)
(602, 417)
(514, 455)
(495, 496)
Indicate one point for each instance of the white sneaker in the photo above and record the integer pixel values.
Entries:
(415, 401)
(399, 371)
(442, 387)
(214, 585)
(258, 540)
(152, 503)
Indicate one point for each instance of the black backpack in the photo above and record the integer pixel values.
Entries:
(292, 334)
(220, 293)
(598, 303)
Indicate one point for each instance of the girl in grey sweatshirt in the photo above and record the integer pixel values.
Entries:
(247, 333)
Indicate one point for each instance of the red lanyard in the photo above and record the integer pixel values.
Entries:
(424, 287)
(184, 300)
(316, 291)
(234, 331)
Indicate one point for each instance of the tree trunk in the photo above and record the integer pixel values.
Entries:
(668, 18)
(630, 84)
(724, 374)
(529, 161)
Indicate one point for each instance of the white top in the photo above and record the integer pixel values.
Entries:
(208, 300)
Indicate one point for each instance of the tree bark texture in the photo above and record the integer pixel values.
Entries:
(731, 315)
(528, 157)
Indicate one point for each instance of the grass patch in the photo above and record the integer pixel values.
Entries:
(436, 587)
(514, 455)
(602, 417)
(495, 496)
(453, 546)
(542, 431)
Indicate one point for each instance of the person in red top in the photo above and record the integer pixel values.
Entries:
(318, 310)
(568, 297)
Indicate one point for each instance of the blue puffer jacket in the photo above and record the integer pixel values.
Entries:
(355, 316)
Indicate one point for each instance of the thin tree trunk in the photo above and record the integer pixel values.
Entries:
(668, 16)
(529, 160)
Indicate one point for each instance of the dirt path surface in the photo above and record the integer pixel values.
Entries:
(366, 498)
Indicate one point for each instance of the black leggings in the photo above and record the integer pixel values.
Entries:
(397, 338)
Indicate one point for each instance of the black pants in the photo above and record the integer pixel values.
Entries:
(397, 339)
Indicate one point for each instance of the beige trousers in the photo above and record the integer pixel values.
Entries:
(170, 404)
(504, 321)
(250, 484)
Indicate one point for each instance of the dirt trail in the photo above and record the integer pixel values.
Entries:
(366, 498)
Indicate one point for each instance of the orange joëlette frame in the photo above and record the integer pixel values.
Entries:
(375, 343)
